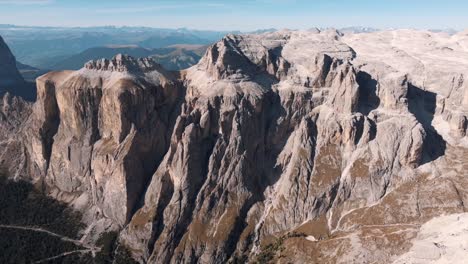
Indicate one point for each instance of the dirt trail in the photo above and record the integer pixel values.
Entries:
(88, 248)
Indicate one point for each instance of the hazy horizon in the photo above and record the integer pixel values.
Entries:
(242, 15)
(227, 30)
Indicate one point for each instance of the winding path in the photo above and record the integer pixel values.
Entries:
(88, 248)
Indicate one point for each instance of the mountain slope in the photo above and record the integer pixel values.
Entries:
(9, 74)
(11, 80)
(294, 146)
(77, 61)
(182, 57)
(29, 73)
(42, 47)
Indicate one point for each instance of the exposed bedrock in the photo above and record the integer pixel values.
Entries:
(267, 135)
(248, 161)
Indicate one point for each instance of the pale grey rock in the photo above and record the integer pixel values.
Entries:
(123, 63)
(319, 133)
(304, 150)
(96, 135)
(14, 112)
(440, 240)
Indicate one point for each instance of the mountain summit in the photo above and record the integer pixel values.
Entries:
(289, 146)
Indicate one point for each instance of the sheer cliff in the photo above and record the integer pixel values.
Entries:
(301, 146)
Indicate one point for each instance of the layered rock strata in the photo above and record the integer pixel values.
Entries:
(332, 145)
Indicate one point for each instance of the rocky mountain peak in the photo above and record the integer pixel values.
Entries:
(124, 63)
(333, 148)
(225, 60)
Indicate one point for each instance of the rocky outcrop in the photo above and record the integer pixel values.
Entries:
(97, 135)
(302, 138)
(14, 112)
(440, 240)
(272, 158)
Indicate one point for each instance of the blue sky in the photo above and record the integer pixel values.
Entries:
(238, 15)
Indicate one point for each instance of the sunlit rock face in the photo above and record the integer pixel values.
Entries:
(337, 147)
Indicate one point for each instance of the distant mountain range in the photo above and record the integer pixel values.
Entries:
(43, 47)
(174, 57)
(39, 49)
(288, 147)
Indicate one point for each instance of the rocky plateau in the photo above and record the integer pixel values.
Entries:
(283, 147)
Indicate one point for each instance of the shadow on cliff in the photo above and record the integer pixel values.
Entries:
(422, 104)
(278, 127)
(368, 99)
(168, 116)
(200, 170)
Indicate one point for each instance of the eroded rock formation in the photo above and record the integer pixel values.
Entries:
(316, 140)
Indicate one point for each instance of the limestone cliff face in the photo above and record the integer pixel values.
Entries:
(307, 138)
(97, 135)
(260, 149)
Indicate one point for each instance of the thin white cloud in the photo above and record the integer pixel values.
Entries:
(25, 2)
